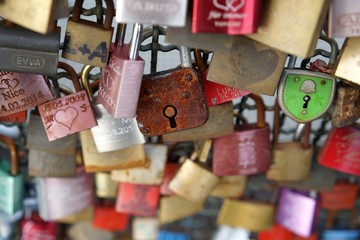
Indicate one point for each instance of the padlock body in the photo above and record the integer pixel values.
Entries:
(275, 232)
(34, 227)
(234, 18)
(114, 133)
(86, 214)
(305, 95)
(107, 218)
(67, 115)
(170, 171)
(245, 152)
(19, 117)
(19, 92)
(340, 234)
(159, 12)
(144, 227)
(341, 150)
(120, 84)
(342, 197)
(167, 235)
(78, 47)
(230, 187)
(344, 18)
(105, 186)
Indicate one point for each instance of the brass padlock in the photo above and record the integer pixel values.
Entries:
(105, 186)
(86, 214)
(230, 187)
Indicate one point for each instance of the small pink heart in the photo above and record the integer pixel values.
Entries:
(66, 117)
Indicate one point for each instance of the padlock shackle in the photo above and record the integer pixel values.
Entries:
(110, 12)
(185, 57)
(135, 41)
(13, 154)
(120, 35)
(199, 61)
(84, 75)
(260, 109)
(72, 74)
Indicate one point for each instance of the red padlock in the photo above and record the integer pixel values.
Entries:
(341, 150)
(342, 197)
(170, 171)
(275, 232)
(106, 218)
(35, 228)
(19, 117)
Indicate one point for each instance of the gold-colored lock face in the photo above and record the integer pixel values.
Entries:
(175, 208)
(291, 162)
(253, 216)
(86, 214)
(348, 66)
(230, 187)
(105, 186)
(122, 159)
(291, 26)
(193, 182)
(84, 230)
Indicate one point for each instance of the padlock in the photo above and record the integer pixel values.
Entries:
(314, 236)
(20, 91)
(107, 218)
(34, 227)
(234, 18)
(170, 171)
(275, 232)
(34, 15)
(79, 47)
(340, 151)
(59, 197)
(120, 159)
(24, 51)
(346, 108)
(172, 100)
(152, 174)
(306, 95)
(19, 117)
(121, 78)
(347, 64)
(168, 235)
(105, 186)
(290, 26)
(219, 123)
(343, 18)
(137, 199)
(249, 66)
(69, 114)
(111, 133)
(85, 231)
(174, 208)
(297, 212)
(145, 228)
(230, 187)
(86, 214)
(11, 181)
(193, 181)
(247, 150)
(340, 234)
(230, 233)
(169, 13)
(291, 160)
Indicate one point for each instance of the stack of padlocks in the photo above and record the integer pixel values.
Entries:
(170, 154)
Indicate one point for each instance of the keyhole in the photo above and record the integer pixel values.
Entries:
(170, 112)
(306, 101)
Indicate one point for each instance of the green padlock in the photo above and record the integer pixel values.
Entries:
(305, 95)
(11, 182)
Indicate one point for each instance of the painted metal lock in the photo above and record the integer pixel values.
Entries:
(34, 228)
(314, 236)
(172, 100)
(105, 186)
(247, 150)
(230, 187)
(169, 13)
(275, 232)
(79, 47)
(20, 91)
(305, 95)
(291, 160)
(279, 26)
(251, 215)
(235, 17)
(120, 159)
(121, 78)
(343, 18)
(296, 212)
(343, 196)
(111, 133)
(340, 234)
(145, 228)
(107, 218)
(167, 235)
(248, 65)
(11, 181)
(19, 117)
(230, 233)
(59, 197)
(24, 51)
(341, 150)
(174, 208)
(152, 174)
(69, 114)
(170, 171)
(138, 200)
(35, 15)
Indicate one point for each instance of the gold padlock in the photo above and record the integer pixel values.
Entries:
(86, 214)
(105, 186)
(230, 187)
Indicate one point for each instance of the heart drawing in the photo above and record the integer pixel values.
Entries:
(7, 83)
(66, 117)
(233, 5)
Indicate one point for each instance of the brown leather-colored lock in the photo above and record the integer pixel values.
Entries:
(69, 114)
(88, 42)
(291, 160)
(172, 100)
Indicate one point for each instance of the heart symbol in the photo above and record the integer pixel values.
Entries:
(107, 80)
(10, 83)
(251, 64)
(66, 117)
(233, 5)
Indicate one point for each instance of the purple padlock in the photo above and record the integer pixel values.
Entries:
(297, 212)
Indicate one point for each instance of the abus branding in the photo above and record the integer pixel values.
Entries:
(163, 7)
(28, 61)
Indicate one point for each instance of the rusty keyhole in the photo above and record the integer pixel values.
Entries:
(170, 112)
